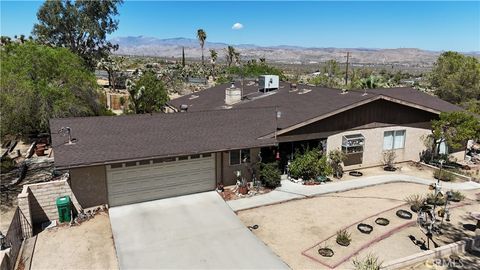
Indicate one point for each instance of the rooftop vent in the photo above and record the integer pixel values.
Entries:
(183, 108)
(268, 83)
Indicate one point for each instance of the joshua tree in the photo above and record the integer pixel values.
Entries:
(202, 36)
(213, 59)
(231, 54)
(183, 56)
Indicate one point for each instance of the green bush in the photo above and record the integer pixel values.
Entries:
(7, 164)
(457, 196)
(270, 174)
(444, 175)
(310, 165)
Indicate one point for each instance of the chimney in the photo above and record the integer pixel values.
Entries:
(233, 95)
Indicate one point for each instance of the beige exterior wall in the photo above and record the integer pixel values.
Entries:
(373, 148)
(89, 185)
(228, 170)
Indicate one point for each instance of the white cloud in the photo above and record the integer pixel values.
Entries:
(237, 26)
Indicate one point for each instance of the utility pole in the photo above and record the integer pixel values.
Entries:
(346, 71)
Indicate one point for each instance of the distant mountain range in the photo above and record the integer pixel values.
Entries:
(172, 48)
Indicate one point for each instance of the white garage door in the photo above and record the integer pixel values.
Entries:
(134, 182)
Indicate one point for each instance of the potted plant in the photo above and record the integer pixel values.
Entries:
(389, 160)
(343, 238)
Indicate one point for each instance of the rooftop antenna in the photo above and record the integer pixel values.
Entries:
(67, 131)
(346, 69)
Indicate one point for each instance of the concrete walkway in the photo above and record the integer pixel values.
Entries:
(289, 190)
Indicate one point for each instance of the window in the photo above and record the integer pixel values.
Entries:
(194, 156)
(116, 165)
(394, 139)
(207, 155)
(238, 157)
(183, 158)
(130, 164)
(144, 162)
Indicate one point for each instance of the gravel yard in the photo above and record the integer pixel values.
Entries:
(87, 246)
(292, 227)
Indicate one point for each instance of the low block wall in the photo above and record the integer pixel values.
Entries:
(37, 201)
(443, 251)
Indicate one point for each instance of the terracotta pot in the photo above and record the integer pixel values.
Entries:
(243, 190)
(40, 152)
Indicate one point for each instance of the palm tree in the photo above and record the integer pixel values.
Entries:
(202, 36)
(213, 59)
(231, 53)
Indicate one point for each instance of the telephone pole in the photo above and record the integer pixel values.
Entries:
(346, 71)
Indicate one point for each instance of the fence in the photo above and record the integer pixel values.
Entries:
(19, 230)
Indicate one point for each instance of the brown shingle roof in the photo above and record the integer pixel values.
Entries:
(109, 139)
(307, 102)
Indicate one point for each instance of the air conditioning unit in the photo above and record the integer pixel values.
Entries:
(268, 83)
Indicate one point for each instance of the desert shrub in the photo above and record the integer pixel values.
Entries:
(457, 196)
(343, 237)
(435, 200)
(310, 165)
(7, 164)
(336, 158)
(270, 174)
(369, 262)
(444, 175)
(415, 201)
(389, 158)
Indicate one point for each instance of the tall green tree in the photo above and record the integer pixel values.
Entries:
(456, 77)
(147, 94)
(456, 128)
(40, 82)
(202, 36)
(81, 26)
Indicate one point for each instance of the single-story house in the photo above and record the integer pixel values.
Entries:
(213, 133)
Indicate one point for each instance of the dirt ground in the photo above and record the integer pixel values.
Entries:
(292, 227)
(87, 246)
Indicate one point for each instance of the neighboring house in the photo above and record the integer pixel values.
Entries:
(134, 158)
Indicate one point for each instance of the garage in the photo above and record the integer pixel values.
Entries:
(139, 181)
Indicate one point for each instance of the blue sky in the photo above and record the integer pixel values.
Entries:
(425, 25)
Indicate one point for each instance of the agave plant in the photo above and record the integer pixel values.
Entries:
(369, 262)
(415, 201)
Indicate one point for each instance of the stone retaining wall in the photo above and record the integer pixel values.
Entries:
(37, 201)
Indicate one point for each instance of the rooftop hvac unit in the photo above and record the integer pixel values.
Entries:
(268, 83)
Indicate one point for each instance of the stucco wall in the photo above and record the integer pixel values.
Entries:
(373, 147)
(228, 170)
(89, 185)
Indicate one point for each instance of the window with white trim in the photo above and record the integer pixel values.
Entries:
(394, 139)
(238, 157)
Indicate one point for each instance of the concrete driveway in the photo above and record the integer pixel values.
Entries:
(196, 231)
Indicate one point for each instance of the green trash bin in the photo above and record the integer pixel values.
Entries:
(64, 209)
